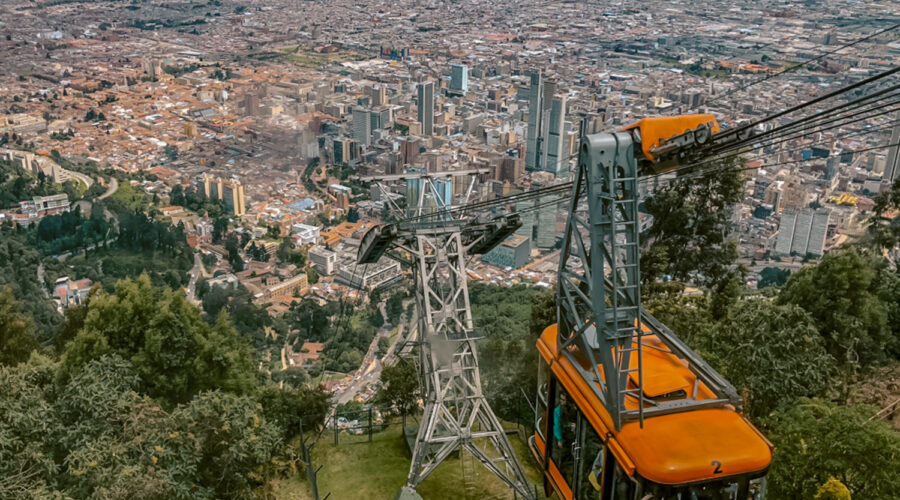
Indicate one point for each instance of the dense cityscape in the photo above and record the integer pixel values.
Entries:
(200, 176)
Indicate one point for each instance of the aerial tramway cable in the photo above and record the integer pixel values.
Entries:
(796, 129)
(804, 63)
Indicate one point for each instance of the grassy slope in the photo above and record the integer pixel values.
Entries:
(377, 471)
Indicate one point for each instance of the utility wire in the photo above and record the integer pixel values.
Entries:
(804, 63)
(780, 139)
(798, 107)
(497, 201)
(695, 175)
(802, 125)
(709, 170)
(824, 115)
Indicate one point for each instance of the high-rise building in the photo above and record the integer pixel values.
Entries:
(514, 252)
(414, 194)
(459, 79)
(380, 118)
(207, 185)
(341, 151)
(818, 232)
(547, 128)
(342, 200)
(152, 67)
(377, 95)
(426, 107)
(444, 190)
(545, 236)
(800, 241)
(524, 208)
(802, 232)
(230, 191)
(362, 126)
(785, 233)
(892, 167)
(409, 149)
(251, 104)
(323, 260)
(511, 169)
(233, 194)
(556, 159)
(535, 113)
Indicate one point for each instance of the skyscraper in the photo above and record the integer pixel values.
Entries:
(555, 132)
(342, 152)
(817, 232)
(426, 107)
(459, 79)
(547, 130)
(785, 233)
(444, 188)
(892, 167)
(802, 232)
(546, 223)
(535, 113)
(800, 242)
(362, 126)
(524, 208)
(377, 95)
(414, 193)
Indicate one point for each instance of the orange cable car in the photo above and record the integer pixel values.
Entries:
(625, 410)
(709, 453)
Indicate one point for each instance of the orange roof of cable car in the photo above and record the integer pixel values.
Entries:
(676, 448)
(657, 128)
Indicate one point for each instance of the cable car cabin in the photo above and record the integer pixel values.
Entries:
(695, 454)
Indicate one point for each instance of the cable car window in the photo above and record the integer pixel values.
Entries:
(592, 457)
(736, 489)
(563, 425)
(542, 394)
(624, 486)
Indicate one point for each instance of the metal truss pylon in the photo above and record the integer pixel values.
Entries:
(456, 415)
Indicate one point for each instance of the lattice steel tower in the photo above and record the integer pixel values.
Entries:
(436, 241)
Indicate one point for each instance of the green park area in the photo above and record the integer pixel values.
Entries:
(308, 58)
(378, 470)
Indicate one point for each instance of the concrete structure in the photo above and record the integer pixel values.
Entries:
(892, 167)
(344, 153)
(233, 194)
(546, 234)
(512, 253)
(459, 79)
(286, 291)
(323, 260)
(377, 95)
(785, 233)
(231, 191)
(225, 281)
(362, 126)
(800, 241)
(370, 276)
(555, 158)
(511, 169)
(426, 107)
(41, 206)
(802, 232)
(535, 113)
(72, 293)
(306, 235)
